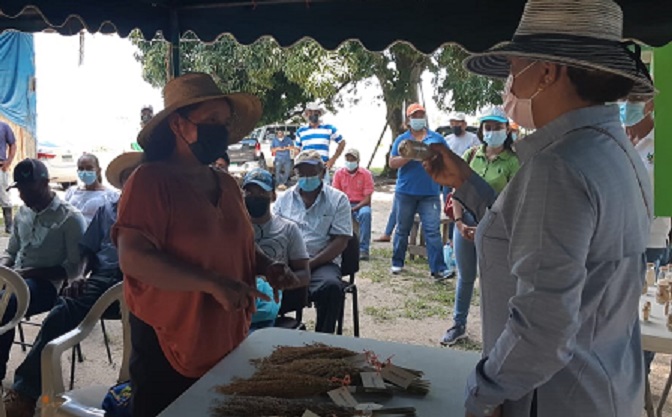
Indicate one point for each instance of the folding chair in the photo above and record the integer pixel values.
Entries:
(349, 267)
(293, 301)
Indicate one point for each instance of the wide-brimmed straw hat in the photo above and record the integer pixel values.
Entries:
(586, 34)
(196, 88)
(123, 162)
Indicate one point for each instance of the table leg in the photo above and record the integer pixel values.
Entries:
(648, 401)
(666, 392)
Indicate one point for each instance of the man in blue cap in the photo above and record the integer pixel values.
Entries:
(278, 238)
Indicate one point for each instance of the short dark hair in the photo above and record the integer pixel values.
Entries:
(226, 158)
(599, 87)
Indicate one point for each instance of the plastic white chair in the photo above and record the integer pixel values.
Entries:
(12, 283)
(83, 402)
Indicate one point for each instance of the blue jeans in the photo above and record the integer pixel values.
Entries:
(429, 209)
(392, 220)
(363, 218)
(283, 168)
(465, 258)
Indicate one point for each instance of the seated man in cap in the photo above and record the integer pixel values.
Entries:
(280, 239)
(44, 246)
(100, 258)
(357, 183)
(324, 218)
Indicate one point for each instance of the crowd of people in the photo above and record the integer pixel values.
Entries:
(539, 219)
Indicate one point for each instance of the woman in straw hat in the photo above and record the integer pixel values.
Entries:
(561, 249)
(186, 246)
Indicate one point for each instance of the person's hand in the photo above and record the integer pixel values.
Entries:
(75, 288)
(467, 232)
(445, 167)
(236, 295)
(496, 413)
(281, 277)
(329, 164)
(5, 167)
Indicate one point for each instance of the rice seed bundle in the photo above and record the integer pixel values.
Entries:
(280, 386)
(286, 354)
(241, 406)
(324, 368)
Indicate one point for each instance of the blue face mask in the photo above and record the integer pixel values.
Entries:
(87, 177)
(418, 124)
(494, 138)
(632, 113)
(309, 184)
(351, 166)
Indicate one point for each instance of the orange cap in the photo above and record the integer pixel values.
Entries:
(413, 108)
(514, 126)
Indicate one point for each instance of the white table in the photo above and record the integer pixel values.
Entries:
(446, 369)
(656, 338)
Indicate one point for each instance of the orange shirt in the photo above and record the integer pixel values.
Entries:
(194, 330)
(357, 186)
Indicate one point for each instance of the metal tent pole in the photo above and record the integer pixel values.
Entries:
(175, 42)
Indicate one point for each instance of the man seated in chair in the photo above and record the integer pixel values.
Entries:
(324, 218)
(278, 238)
(357, 183)
(99, 256)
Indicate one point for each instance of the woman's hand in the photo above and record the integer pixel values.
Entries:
(236, 295)
(281, 277)
(445, 167)
(467, 232)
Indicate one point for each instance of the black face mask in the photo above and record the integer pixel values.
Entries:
(211, 143)
(257, 206)
(457, 130)
(314, 118)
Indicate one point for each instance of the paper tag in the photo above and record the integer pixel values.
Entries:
(372, 380)
(397, 376)
(342, 397)
(368, 407)
(309, 413)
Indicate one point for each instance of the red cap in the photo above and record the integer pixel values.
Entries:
(413, 108)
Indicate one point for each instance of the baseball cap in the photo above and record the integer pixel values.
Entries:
(28, 171)
(496, 114)
(353, 152)
(413, 108)
(308, 157)
(314, 107)
(459, 117)
(260, 177)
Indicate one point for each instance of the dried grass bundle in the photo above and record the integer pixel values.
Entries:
(240, 406)
(280, 385)
(324, 368)
(286, 354)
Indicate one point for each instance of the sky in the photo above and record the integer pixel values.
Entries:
(97, 105)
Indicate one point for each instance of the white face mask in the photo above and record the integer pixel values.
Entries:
(518, 109)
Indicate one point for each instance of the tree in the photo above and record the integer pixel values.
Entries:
(287, 78)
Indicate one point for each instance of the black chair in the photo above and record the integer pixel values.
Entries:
(293, 301)
(349, 267)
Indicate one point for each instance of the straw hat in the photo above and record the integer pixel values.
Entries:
(196, 88)
(586, 34)
(121, 163)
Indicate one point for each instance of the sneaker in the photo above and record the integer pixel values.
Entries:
(453, 335)
(363, 256)
(17, 405)
(396, 270)
(443, 275)
(384, 239)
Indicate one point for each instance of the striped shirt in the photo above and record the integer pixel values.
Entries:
(318, 139)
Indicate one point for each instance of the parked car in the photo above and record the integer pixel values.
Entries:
(255, 150)
(61, 162)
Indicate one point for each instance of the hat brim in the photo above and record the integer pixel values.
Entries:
(311, 162)
(263, 185)
(120, 164)
(612, 58)
(494, 119)
(247, 111)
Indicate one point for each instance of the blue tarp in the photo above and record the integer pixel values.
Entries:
(17, 72)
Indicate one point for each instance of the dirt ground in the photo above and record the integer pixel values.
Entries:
(390, 306)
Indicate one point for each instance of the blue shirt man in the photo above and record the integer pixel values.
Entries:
(282, 146)
(416, 192)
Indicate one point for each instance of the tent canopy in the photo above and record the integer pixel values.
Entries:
(426, 24)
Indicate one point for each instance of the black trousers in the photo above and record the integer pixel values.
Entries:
(326, 291)
(154, 382)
